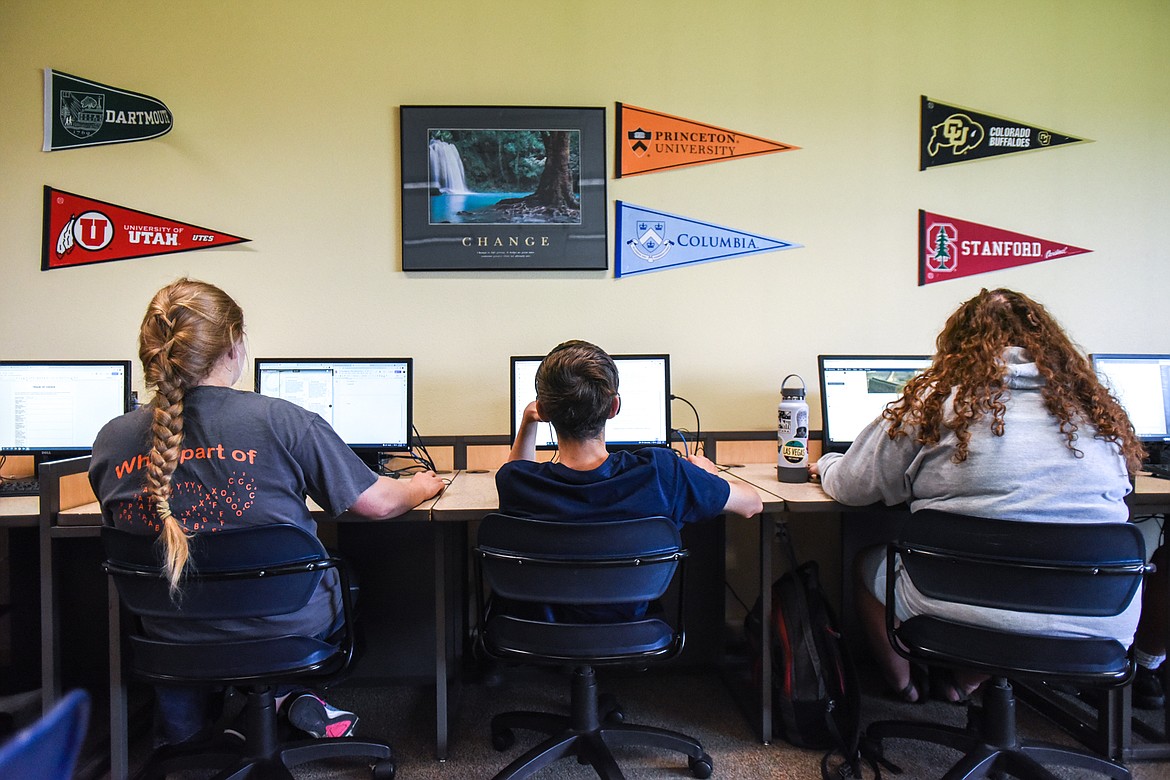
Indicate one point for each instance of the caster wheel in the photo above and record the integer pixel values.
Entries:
(385, 770)
(615, 718)
(502, 740)
(701, 767)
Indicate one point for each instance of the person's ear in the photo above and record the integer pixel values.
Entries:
(616, 406)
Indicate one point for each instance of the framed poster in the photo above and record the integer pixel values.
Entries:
(503, 188)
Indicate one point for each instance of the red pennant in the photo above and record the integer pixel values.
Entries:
(949, 248)
(80, 231)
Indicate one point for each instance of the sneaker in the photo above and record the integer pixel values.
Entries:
(1147, 689)
(314, 716)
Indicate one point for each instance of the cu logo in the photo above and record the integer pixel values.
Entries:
(93, 230)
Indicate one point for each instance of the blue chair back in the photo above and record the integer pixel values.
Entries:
(1091, 569)
(282, 564)
(48, 749)
(611, 562)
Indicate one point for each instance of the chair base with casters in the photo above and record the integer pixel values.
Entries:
(589, 732)
(991, 744)
(1083, 571)
(258, 753)
(542, 576)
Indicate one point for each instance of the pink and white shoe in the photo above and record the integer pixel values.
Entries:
(314, 716)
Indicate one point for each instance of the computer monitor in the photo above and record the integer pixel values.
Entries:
(366, 400)
(644, 386)
(856, 388)
(55, 408)
(1142, 384)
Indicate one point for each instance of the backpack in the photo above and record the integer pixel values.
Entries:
(815, 697)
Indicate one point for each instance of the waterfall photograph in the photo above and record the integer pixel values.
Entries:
(503, 188)
(502, 177)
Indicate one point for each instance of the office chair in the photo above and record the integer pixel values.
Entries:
(1048, 568)
(250, 572)
(49, 748)
(539, 565)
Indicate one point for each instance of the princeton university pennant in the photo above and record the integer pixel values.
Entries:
(951, 134)
(654, 240)
(651, 141)
(949, 248)
(80, 112)
(80, 231)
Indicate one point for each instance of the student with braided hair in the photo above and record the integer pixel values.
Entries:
(202, 456)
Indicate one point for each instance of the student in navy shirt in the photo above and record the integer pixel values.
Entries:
(577, 391)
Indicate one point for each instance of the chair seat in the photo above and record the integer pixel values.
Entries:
(595, 643)
(232, 662)
(1078, 659)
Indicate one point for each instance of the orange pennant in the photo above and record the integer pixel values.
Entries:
(651, 141)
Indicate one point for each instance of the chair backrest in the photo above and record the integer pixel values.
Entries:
(1091, 569)
(256, 571)
(49, 748)
(611, 562)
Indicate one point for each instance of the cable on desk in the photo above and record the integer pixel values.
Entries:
(683, 439)
(698, 425)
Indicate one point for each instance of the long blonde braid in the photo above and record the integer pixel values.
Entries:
(189, 325)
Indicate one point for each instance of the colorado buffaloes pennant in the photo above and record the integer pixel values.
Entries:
(650, 141)
(949, 248)
(951, 134)
(653, 240)
(79, 231)
(79, 112)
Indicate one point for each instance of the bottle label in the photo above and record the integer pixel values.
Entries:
(794, 452)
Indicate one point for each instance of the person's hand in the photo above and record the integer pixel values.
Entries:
(531, 414)
(427, 483)
(814, 471)
(703, 462)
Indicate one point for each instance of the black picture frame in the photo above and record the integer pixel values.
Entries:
(494, 219)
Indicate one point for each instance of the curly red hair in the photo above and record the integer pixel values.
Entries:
(968, 363)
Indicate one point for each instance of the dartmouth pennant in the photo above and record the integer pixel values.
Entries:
(951, 134)
(651, 141)
(80, 231)
(949, 248)
(80, 112)
(654, 240)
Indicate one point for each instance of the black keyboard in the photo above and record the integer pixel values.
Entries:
(19, 487)
(1160, 470)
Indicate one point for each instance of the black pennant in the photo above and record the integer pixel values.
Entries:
(952, 134)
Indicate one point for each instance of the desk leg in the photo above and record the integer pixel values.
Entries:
(765, 693)
(50, 662)
(442, 722)
(119, 725)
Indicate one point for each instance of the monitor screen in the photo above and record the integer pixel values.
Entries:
(366, 400)
(856, 388)
(644, 386)
(58, 406)
(1141, 383)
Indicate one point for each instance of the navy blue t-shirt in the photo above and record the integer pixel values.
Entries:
(246, 459)
(649, 482)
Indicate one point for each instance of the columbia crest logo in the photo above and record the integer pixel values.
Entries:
(651, 243)
(82, 113)
(958, 132)
(941, 249)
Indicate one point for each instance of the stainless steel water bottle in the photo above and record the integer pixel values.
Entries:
(792, 433)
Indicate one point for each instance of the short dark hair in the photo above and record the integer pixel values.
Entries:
(575, 385)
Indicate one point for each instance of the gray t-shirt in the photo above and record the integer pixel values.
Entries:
(246, 459)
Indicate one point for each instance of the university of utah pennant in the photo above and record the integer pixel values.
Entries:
(652, 141)
(949, 248)
(80, 112)
(654, 240)
(80, 231)
(951, 134)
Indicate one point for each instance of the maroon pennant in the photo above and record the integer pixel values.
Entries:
(949, 248)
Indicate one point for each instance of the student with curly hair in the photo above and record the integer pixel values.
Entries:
(202, 456)
(1009, 422)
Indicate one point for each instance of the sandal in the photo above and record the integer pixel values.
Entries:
(914, 692)
(946, 688)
